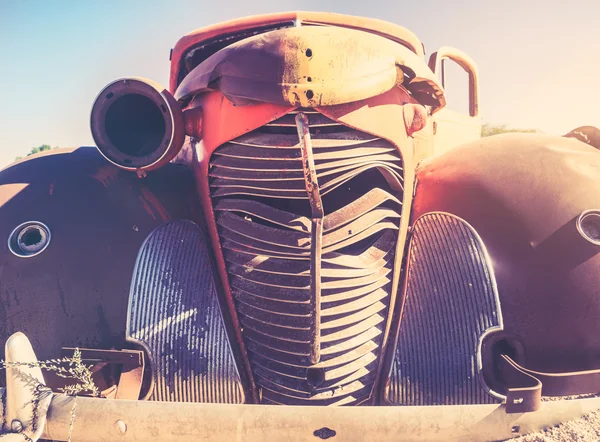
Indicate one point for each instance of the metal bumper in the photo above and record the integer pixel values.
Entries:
(107, 419)
(30, 410)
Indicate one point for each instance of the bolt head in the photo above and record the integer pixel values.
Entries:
(16, 426)
(121, 427)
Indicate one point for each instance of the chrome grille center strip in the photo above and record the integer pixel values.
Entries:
(311, 183)
(308, 213)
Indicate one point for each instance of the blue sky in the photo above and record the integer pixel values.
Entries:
(539, 64)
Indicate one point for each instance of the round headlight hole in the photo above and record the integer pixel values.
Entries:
(588, 226)
(29, 239)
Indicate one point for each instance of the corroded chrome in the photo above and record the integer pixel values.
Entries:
(311, 182)
(29, 239)
(137, 124)
(179, 422)
(308, 220)
(588, 226)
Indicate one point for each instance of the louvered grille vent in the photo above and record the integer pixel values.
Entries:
(308, 212)
(451, 302)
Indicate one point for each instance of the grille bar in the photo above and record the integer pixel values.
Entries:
(174, 312)
(309, 246)
(316, 239)
(451, 302)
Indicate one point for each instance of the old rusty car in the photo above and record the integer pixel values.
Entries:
(297, 240)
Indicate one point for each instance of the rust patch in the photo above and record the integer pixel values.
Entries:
(311, 66)
(147, 207)
(314, 197)
(105, 174)
(153, 205)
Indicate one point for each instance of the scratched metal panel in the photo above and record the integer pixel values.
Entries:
(451, 302)
(174, 312)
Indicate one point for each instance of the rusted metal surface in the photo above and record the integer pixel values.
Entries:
(415, 118)
(36, 413)
(221, 34)
(223, 122)
(181, 422)
(128, 365)
(312, 66)
(231, 128)
(312, 310)
(380, 115)
(469, 66)
(311, 183)
(524, 393)
(138, 125)
(74, 293)
(524, 194)
(303, 142)
(452, 128)
(348, 256)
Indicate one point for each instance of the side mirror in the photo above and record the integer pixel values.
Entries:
(465, 62)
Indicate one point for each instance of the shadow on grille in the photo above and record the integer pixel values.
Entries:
(263, 216)
(174, 313)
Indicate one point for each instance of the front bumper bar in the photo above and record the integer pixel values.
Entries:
(30, 409)
(107, 419)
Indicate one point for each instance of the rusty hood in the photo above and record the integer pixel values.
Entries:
(313, 66)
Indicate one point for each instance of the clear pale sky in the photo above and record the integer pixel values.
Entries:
(539, 62)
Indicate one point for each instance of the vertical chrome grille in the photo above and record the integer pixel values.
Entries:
(451, 302)
(174, 312)
(312, 325)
